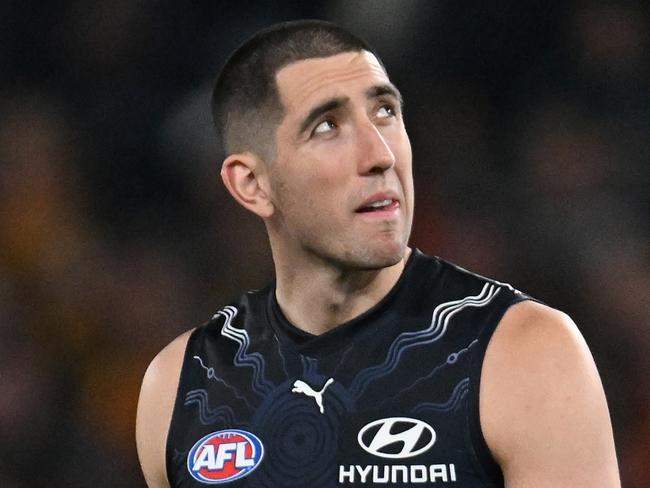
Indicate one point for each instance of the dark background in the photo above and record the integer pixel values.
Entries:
(530, 123)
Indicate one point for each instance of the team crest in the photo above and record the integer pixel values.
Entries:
(224, 456)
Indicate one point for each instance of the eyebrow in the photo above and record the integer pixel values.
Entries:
(335, 103)
(323, 108)
(385, 89)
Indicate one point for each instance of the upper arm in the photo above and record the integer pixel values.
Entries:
(155, 408)
(542, 406)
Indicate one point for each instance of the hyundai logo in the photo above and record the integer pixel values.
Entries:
(396, 437)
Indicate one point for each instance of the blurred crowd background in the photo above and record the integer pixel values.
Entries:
(530, 123)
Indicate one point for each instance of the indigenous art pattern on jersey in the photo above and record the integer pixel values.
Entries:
(390, 397)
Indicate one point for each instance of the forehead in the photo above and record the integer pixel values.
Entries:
(305, 82)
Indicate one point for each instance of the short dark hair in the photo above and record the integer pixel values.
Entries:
(246, 105)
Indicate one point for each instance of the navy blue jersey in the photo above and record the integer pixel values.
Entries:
(388, 398)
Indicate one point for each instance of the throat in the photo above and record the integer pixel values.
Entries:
(315, 311)
(319, 302)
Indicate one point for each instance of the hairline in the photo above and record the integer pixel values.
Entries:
(251, 126)
(391, 88)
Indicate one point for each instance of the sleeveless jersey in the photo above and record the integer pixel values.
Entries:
(390, 398)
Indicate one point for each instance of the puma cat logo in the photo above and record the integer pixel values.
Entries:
(300, 386)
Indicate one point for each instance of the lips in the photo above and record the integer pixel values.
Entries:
(379, 202)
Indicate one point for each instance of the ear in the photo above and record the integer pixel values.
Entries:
(245, 177)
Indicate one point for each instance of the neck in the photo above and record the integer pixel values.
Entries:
(317, 296)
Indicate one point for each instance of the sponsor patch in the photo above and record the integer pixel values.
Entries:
(396, 437)
(224, 456)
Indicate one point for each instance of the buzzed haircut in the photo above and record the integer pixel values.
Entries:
(246, 105)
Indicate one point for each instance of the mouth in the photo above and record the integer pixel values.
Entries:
(379, 204)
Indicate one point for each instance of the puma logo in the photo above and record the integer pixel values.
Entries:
(300, 386)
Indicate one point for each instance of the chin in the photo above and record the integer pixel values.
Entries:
(381, 255)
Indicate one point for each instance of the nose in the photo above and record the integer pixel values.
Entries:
(374, 153)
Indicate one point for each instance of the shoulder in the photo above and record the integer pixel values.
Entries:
(542, 407)
(545, 341)
(529, 323)
(450, 274)
(155, 408)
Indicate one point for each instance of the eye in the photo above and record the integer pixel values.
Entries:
(324, 127)
(386, 111)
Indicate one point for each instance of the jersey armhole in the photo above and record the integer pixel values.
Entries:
(178, 403)
(482, 454)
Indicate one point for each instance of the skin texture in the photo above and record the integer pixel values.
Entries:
(326, 171)
(542, 408)
(332, 262)
(155, 406)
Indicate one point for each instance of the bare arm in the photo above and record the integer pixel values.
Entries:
(155, 407)
(543, 409)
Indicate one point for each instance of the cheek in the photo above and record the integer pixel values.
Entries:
(401, 147)
(403, 168)
(316, 172)
(306, 193)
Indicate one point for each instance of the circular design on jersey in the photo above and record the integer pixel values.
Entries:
(301, 443)
(224, 456)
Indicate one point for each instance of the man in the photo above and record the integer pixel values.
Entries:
(366, 363)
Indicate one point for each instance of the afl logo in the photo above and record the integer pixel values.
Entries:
(396, 437)
(224, 456)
